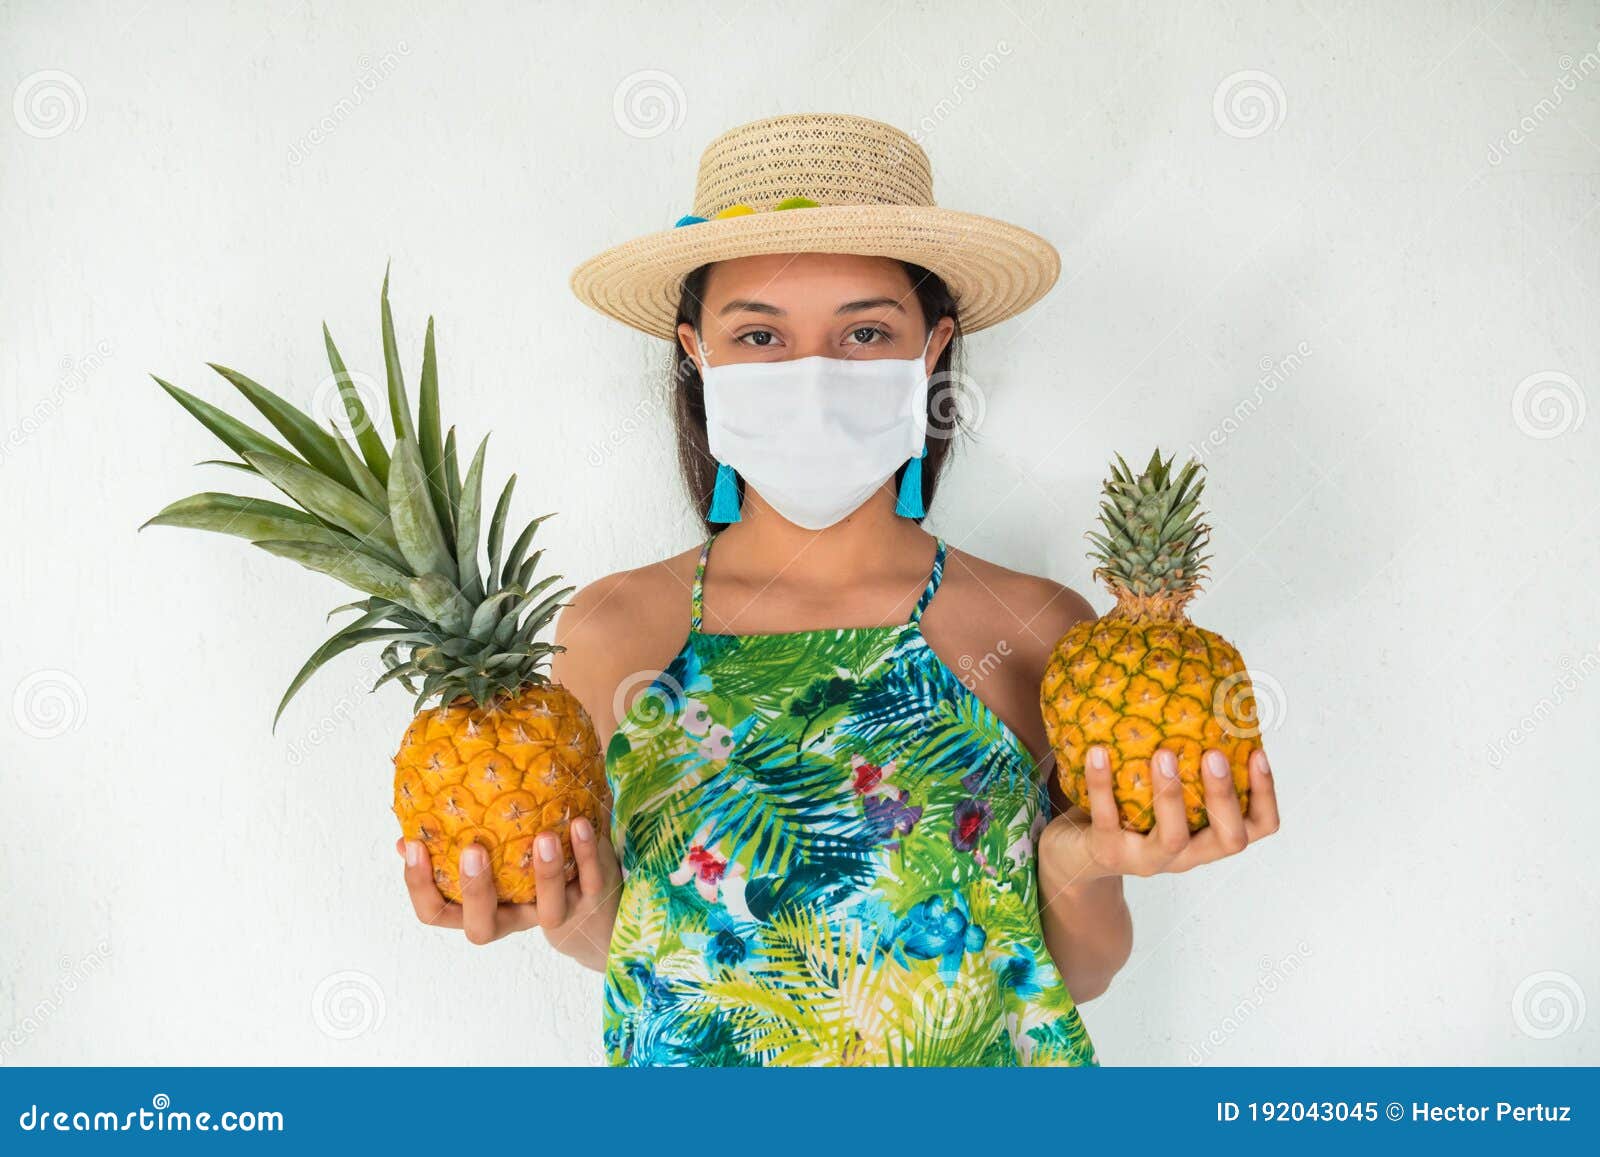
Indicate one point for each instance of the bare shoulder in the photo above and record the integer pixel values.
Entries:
(1029, 610)
(616, 627)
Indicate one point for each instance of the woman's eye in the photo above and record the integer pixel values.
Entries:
(758, 337)
(868, 334)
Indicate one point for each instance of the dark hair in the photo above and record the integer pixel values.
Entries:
(699, 468)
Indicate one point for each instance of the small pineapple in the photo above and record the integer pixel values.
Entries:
(1143, 677)
(504, 753)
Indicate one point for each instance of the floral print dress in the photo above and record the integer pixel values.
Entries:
(827, 845)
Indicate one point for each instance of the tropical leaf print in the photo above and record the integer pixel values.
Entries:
(827, 842)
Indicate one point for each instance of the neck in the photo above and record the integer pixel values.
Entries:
(869, 542)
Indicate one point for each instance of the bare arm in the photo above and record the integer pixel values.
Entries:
(1087, 925)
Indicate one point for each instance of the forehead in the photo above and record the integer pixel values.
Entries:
(783, 279)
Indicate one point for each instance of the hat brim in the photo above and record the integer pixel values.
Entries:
(995, 270)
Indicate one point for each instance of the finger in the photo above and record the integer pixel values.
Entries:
(515, 918)
(430, 905)
(1225, 819)
(478, 899)
(1262, 819)
(586, 850)
(1103, 813)
(1171, 833)
(549, 881)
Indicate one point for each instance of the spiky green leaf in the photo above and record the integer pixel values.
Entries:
(234, 434)
(297, 428)
(416, 523)
(429, 438)
(469, 511)
(353, 569)
(323, 497)
(361, 422)
(399, 405)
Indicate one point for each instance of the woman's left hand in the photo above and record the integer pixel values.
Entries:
(1075, 849)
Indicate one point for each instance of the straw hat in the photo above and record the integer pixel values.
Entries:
(820, 183)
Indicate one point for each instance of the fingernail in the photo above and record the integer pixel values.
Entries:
(413, 853)
(1097, 759)
(582, 830)
(548, 849)
(1266, 765)
(1167, 764)
(1216, 764)
(472, 860)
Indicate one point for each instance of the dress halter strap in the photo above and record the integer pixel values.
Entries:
(697, 598)
(934, 580)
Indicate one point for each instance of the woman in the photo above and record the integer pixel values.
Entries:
(834, 849)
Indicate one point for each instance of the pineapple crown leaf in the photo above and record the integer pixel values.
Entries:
(1152, 538)
(314, 444)
(396, 523)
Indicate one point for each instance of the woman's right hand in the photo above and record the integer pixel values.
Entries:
(577, 917)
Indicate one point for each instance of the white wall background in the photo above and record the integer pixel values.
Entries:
(1394, 227)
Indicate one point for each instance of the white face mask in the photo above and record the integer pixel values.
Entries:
(816, 436)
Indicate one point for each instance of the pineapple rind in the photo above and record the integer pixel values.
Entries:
(1139, 687)
(497, 776)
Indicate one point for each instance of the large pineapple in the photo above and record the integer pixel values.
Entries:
(1143, 677)
(504, 753)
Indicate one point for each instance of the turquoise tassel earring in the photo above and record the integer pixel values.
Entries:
(910, 502)
(725, 497)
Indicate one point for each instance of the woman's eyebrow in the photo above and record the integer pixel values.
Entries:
(869, 303)
(740, 304)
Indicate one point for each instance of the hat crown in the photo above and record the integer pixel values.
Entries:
(830, 158)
